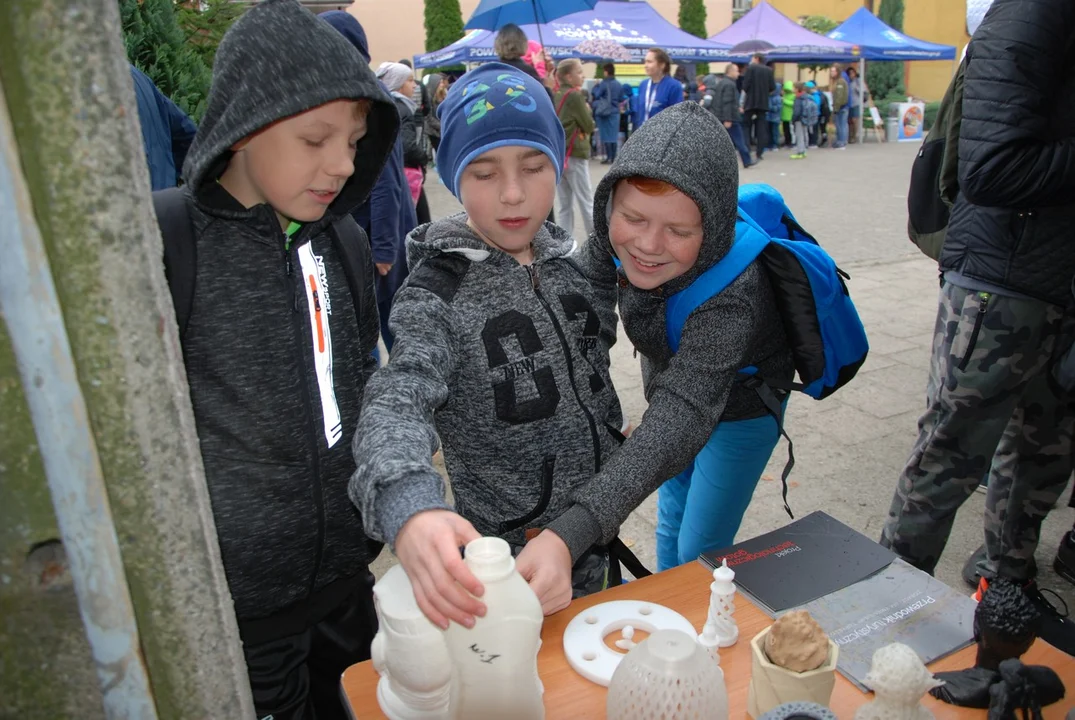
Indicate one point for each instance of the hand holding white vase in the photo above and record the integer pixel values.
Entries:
(494, 664)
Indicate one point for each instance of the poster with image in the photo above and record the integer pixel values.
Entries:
(912, 117)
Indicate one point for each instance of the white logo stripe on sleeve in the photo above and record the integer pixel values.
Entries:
(320, 307)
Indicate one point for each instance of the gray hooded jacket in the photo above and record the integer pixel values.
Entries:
(690, 392)
(274, 408)
(508, 365)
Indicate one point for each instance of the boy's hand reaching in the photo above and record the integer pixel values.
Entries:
(545, 563)
(444, 587)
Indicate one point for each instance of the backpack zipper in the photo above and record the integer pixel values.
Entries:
(535, 282)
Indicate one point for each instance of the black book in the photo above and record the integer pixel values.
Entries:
(811, 557)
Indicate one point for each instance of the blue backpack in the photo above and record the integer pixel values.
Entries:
(826, 337)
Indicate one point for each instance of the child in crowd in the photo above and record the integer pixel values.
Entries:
(776, 104)
(578, 122)
(668, 214)
(277, 341)
(499, 355)
(804, 114)
(785, 112)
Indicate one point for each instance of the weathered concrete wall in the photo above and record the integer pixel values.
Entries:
(65, 77)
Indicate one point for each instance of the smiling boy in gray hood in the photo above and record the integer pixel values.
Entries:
(277, 343)
(499, 353)
(666, 211)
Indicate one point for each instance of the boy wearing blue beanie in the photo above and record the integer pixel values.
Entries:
(500, 358)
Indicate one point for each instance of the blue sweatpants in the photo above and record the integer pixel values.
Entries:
(701, 508)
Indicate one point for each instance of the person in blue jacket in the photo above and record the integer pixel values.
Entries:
(608, 97)
(167, 132)
(388, 214)
(659, 90)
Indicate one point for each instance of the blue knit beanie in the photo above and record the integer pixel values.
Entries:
(490, 107)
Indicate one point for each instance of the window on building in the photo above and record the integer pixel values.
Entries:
(741, 8)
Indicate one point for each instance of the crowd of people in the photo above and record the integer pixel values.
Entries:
(498, 325)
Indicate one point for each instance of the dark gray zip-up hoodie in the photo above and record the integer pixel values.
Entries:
(691, 392)
(508, 365)
(276, 375)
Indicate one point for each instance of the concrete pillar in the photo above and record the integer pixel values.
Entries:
(65, 78)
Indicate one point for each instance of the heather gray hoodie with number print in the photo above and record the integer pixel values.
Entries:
(508, 365)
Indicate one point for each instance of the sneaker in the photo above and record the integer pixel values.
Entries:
(1064, 563)
(983, 486)
(970, 569)
(798, 156)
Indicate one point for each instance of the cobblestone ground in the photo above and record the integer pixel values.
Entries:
(851, 447)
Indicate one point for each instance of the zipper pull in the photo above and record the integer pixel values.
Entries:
(532, 271)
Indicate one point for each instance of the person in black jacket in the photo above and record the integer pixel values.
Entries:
(278, 341)
(759, 81)
(399, 79)
(722, 99)
(1005, 306)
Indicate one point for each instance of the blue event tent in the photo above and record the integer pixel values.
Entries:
(632, 25)
(877, 41)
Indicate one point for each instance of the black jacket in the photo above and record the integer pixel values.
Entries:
(413, 134)
(722, 98)
(1013, 223)
(759, 81)
(276, 358)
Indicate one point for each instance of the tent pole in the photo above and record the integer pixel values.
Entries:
(537, 24)
(860, 131)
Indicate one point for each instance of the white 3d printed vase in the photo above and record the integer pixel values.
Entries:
(494, 664)
(410, 654)
(670, 676)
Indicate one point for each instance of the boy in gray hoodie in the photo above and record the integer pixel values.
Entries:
(277, 340)
(666, 211)
(500, 358)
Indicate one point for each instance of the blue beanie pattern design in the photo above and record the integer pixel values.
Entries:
(494, 106)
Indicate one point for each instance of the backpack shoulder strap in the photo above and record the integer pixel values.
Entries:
(180, 251)
(749, 242)
(357, 259)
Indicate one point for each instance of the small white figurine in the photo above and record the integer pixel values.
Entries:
(720, 621)
(625, 642)
(710, 642)
(898, 679)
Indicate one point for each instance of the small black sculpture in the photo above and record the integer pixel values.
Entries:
(1023, 687)
(1006, 623)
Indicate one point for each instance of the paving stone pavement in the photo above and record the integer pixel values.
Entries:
(849, 448)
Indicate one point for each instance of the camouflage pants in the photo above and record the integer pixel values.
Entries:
(991, 405)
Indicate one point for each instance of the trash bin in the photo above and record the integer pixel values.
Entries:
(892, 129)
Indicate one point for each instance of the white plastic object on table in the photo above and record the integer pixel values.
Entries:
(584, 636)
(669, 676)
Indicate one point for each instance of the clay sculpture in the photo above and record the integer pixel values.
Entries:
(898, 679)
(797, 642)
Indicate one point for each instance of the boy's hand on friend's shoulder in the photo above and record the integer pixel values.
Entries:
(444, 587)
(545, 563)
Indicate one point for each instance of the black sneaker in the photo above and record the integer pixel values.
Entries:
(970, 568)
(1056, 628)
(1064, 564)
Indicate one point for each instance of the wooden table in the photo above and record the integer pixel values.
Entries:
(686, 590)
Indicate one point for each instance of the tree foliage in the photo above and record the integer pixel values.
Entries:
(444, 23)
(885, 79)
(692, 20)
(822, 25)
(156, 45)
(204, 24)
